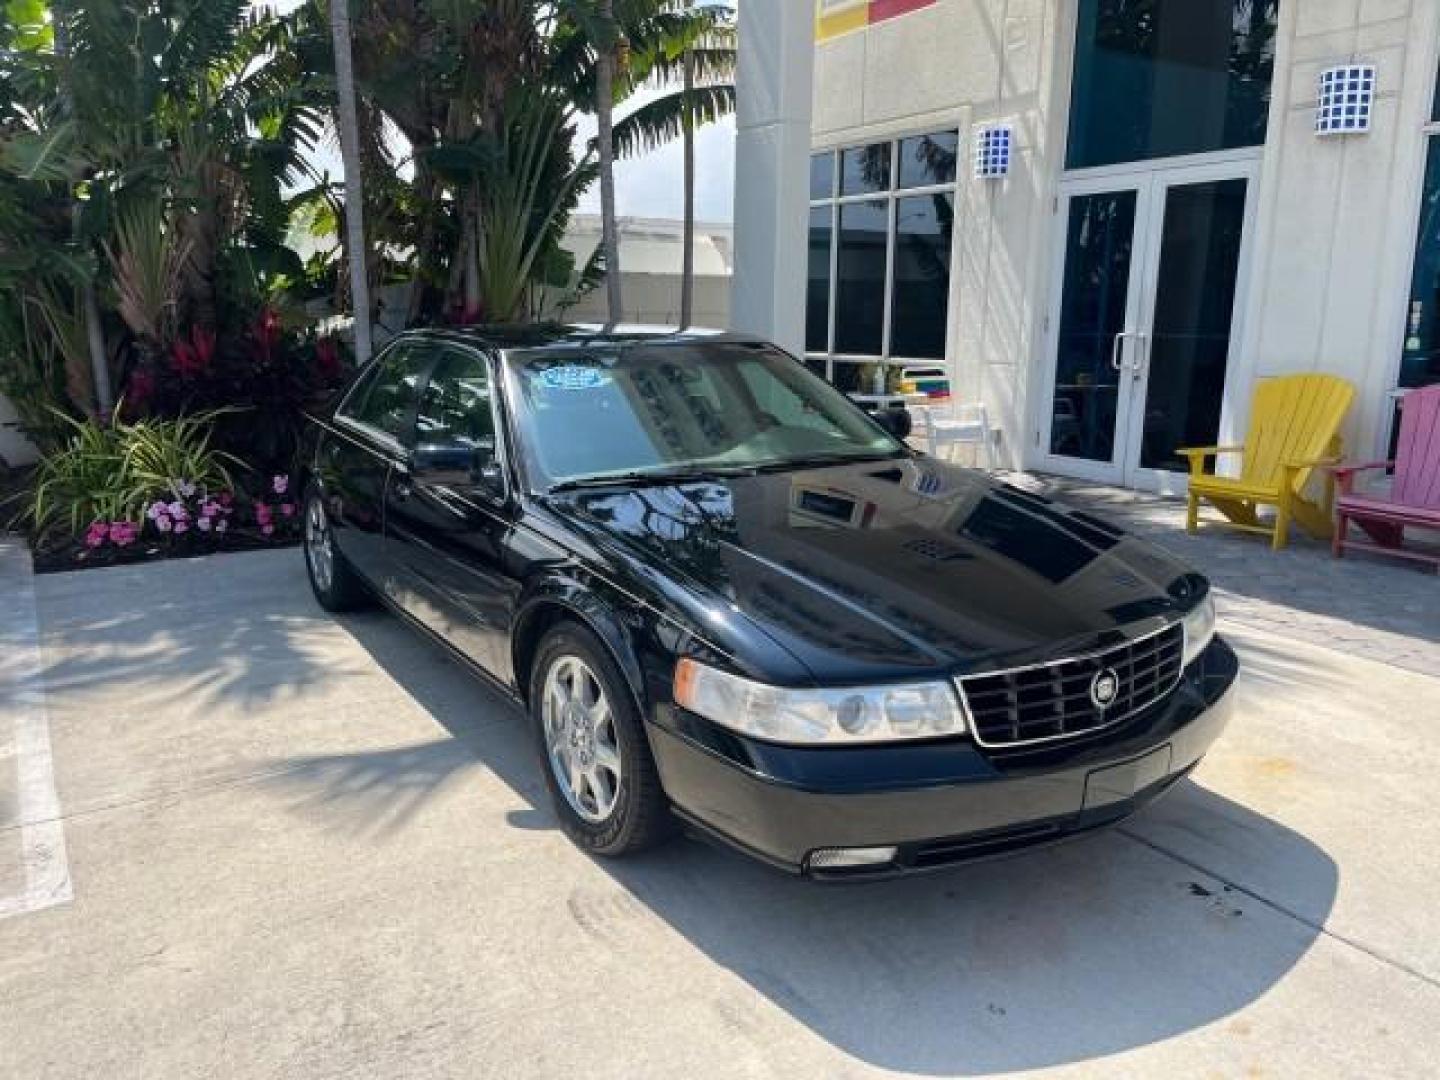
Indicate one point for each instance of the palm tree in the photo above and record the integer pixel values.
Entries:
(605, 117)
(354, 183)
(702, 40)
(687, 258)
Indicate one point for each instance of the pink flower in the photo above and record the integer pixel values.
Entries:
(185, 488)
(176, 509)
(281, 484)
(96, 534)
(267, 529)
(221, 525)
(288, 509)
(204, 523)
(262, 513)
(156, 509)
(181, 527)
(163, 523)
(123, 533)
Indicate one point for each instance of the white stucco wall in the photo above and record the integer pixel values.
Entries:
(963, 63)
(1335, 238)
(1331, 245)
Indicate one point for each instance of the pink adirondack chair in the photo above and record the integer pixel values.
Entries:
(1414, 498)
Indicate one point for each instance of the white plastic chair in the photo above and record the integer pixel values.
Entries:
(955, 425)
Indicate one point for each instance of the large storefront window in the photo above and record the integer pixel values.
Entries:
(1420, 362)
(1161, 78)
(882, 222)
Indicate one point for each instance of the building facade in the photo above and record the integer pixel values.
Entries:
(1109, 218)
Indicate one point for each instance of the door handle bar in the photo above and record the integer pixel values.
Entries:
(1116, 360)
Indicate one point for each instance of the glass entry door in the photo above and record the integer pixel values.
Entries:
(1144, 322)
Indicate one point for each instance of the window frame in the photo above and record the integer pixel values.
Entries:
(891, 195)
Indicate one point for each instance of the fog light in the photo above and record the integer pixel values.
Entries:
(843, 858)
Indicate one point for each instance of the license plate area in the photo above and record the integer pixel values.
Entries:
(1121, 783)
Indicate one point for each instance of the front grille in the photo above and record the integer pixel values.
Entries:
(1056, 701)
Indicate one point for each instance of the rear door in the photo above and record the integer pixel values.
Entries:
(368, 439)
(448, 516)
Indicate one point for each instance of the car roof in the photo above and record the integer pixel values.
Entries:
(550, 336)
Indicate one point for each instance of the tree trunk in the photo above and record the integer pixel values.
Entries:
(104, 402)
(687, 264)
(604, 113)
(354, 184)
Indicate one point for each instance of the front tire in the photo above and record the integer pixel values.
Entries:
(592, 746)
(336, 586)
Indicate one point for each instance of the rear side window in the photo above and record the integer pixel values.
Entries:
(386, 399)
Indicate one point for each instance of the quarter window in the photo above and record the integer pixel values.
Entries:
(879, 257)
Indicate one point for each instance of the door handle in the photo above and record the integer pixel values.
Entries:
(1141, 357)
(1117, 360)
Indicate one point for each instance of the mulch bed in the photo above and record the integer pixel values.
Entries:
(74, 555)
(58, 556)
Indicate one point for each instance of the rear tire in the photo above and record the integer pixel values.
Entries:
(336, 586)
(593, 750)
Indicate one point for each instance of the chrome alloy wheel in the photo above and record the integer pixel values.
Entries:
(319, 545)
(580, 739)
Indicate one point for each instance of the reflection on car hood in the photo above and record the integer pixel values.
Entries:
(891, 568)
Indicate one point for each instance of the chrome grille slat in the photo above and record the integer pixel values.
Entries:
(1049, 701)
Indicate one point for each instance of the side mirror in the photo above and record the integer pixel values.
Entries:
(459, 466)
(897, 422)
(442, 464)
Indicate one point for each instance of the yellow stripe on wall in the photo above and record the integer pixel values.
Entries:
(840, 22)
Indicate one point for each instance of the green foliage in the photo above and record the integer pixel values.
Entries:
(110, 472)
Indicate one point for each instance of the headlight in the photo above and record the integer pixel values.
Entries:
(866, 714)
(1199, 628)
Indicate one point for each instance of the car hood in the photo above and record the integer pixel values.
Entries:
(888, 569)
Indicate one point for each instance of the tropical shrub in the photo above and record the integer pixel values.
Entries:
(109, 474)
(256, 383)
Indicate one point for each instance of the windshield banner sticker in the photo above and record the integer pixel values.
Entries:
(573, 377)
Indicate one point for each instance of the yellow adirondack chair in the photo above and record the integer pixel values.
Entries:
(1294, 428)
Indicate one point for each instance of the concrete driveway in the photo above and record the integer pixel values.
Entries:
(302, 847)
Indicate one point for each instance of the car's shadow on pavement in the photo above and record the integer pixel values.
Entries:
(1072, 953)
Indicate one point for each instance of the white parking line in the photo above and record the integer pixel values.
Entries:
(22, 703)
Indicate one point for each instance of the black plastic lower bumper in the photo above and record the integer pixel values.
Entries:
(937, 803)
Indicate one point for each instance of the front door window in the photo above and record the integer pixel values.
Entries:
(1093, 311)
(1189, 339)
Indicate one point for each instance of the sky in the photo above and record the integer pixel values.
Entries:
(651, 185)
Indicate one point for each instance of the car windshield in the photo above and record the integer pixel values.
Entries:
(632, 411)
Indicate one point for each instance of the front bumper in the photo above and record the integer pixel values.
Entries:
(938, 803)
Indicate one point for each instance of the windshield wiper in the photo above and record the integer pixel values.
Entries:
(814, 461)
(652, 476)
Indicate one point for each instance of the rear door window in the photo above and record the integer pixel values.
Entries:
(386, 401)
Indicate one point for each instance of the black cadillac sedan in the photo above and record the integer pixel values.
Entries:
(728, 598)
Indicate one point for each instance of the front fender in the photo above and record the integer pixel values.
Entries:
(624, 626)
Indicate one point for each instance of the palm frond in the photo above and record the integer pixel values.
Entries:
(663, 120)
